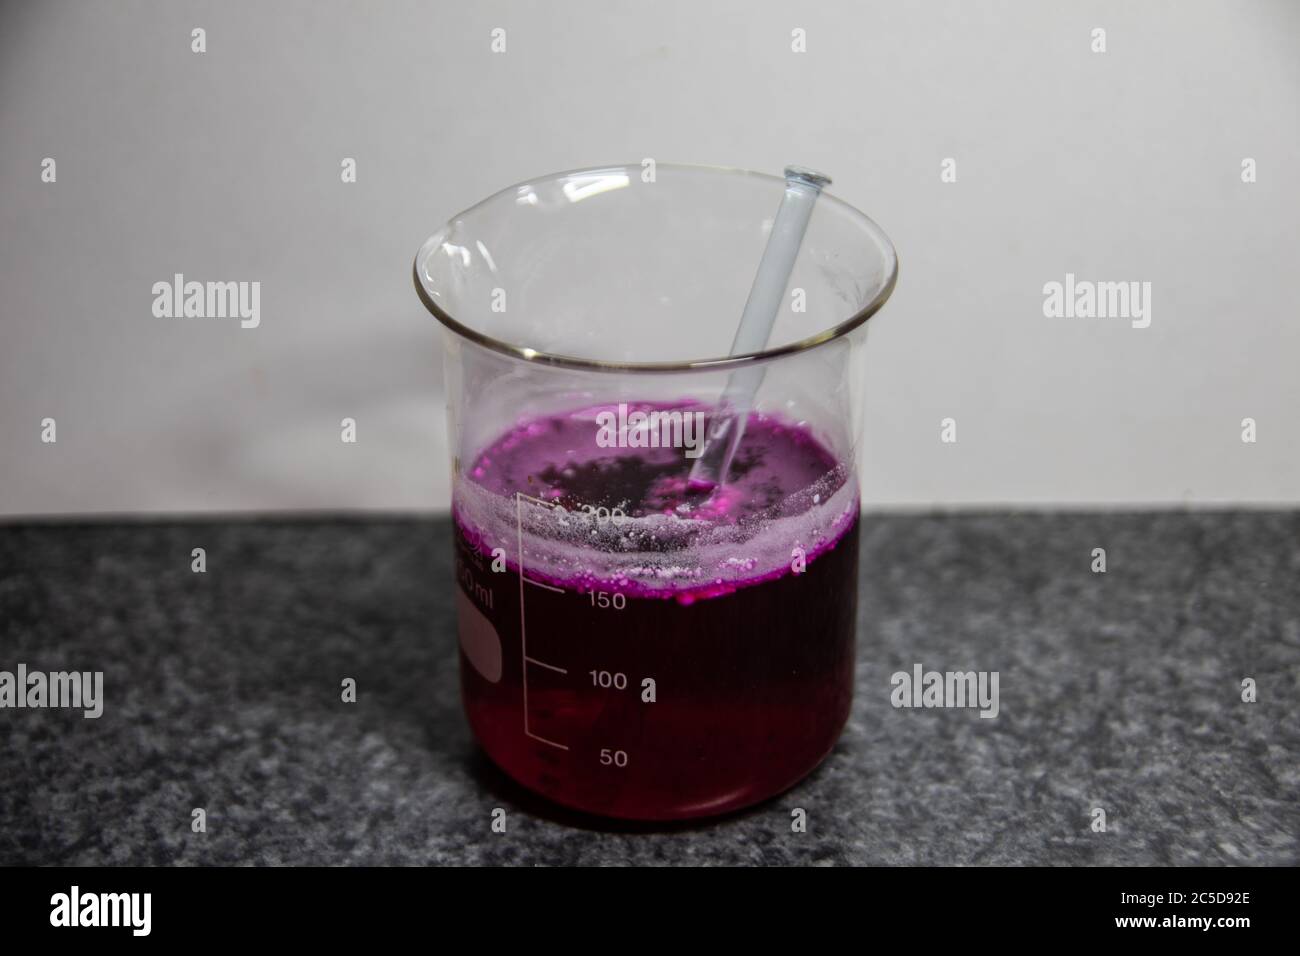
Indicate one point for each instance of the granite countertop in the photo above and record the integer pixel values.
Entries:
(222, 691)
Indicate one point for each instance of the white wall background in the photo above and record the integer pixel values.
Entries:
(1116, 166)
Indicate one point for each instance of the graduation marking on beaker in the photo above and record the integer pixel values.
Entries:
(523, 633)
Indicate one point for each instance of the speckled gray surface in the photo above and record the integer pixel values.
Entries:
(1119, 690)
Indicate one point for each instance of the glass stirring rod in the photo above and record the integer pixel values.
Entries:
(802, 187)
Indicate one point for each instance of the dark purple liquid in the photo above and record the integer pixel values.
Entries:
(666, 655)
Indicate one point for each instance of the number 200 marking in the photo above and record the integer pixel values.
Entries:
(615, 516)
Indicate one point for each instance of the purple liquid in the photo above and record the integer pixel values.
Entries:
(665, 652)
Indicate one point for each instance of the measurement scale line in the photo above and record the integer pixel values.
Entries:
(541, 585)
(549, 667)
(523, 635)
(520, 494)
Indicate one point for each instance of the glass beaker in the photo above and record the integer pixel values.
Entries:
(632, 646)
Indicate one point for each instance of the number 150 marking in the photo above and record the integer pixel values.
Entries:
(607, 600)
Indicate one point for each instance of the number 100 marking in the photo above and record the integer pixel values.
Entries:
(615, 679)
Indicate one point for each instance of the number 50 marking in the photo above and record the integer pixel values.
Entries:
(614, 758)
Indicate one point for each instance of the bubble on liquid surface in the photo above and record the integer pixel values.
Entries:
(592, 515)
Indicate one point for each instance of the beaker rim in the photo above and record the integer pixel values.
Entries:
(725, 362)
